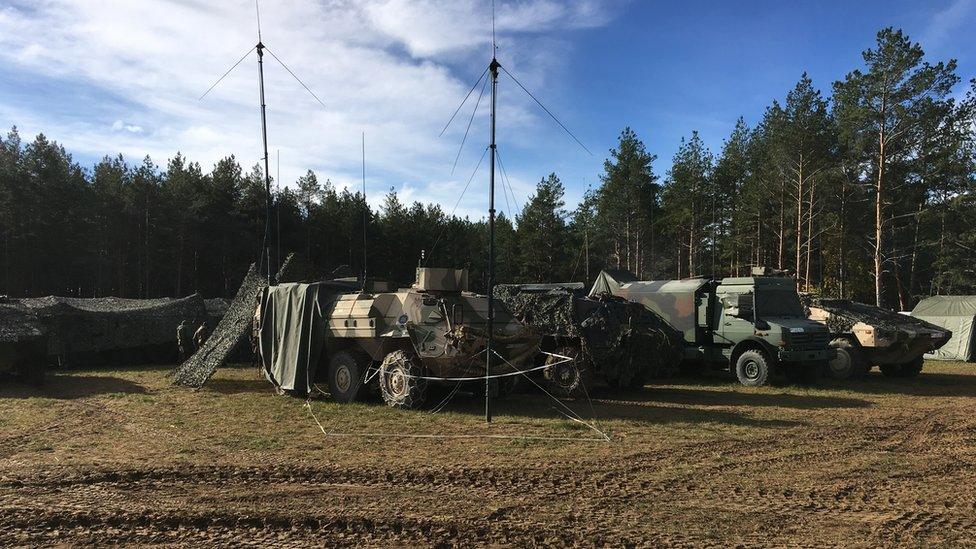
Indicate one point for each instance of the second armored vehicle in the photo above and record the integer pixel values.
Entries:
(360, 338)
(866, 336)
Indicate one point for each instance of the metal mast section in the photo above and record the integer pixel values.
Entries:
(267, 171)
(264, 255)
(493, 69)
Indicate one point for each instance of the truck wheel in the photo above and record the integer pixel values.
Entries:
(849, 362)
(347, 370)
(567, 378)
(400, 381)
(752, 368)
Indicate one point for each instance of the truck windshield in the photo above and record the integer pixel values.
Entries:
(778, 303)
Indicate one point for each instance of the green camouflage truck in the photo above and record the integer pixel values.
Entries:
(753, 326)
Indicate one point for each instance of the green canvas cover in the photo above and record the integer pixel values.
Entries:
(673, 300)
(956, 313)
(292, 333)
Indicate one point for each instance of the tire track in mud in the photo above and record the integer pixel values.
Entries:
(97, 525)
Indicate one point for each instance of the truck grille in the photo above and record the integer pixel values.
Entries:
(810, 340)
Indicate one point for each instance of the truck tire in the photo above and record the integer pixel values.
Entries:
(400, 381)
(347, 370)
(849, 362)
(567, 378)
(752, 368)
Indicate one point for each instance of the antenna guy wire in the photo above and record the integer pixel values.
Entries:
(299, 80)
(226, 73)
(561, 125)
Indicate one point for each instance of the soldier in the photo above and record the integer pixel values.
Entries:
(184, 340)
(201, 335)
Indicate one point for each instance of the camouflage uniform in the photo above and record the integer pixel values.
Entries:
(184, 339)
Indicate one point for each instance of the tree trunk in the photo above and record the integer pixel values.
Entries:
(879, 218)
(799, 223)
(813, 190)
(842, 242)
(782, 224)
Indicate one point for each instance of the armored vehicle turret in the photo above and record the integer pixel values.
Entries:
(361, 339)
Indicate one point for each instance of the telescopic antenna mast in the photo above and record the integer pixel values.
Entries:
(265, 254)
(493, 70)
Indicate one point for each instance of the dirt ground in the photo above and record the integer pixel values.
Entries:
(121, 457)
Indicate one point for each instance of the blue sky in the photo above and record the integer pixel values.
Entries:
(106, 77)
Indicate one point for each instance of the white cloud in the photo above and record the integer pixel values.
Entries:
(386, 67)
(957, 16)
(119, 125)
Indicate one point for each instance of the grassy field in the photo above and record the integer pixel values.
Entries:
(121, 456)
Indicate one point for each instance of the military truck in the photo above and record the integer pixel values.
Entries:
(752, 326)
(360, 339)
(865, 336)
(587, 338)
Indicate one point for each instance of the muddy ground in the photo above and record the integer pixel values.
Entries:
(122, 457)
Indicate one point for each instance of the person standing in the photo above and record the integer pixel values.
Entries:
(184, 340)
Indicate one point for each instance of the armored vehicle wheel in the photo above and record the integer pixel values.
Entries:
(849, 362)
(913, 368)
(499, 387)
(347, 370)
(400, 381)
(891, 370)
(752, 368)
(908, 369)
(570, 376)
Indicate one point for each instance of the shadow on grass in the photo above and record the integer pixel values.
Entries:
(238, 386)
(543, 407)
(926, 384)
(683, 395)
(69, 387)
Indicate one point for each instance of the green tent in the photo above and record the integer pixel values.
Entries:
(956, 313)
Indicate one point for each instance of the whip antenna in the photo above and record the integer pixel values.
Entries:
(265, 254)
(365, 211)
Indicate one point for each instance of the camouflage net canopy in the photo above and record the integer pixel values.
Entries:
(103, 329)
(844, 314)
(622, 340)
(22, 339)
(230, 333)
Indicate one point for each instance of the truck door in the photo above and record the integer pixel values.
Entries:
(736, 321)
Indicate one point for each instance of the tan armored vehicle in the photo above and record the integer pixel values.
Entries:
(865, 336)
(357, 339)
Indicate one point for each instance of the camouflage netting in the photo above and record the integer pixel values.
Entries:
(97, 329)
(623, 340)
(216, 309)
(844, 314)
(230, 333)
(22, 338)
(18, 323)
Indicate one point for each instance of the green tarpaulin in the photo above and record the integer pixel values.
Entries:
(292, 334)
(956, 313)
